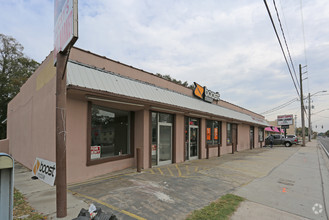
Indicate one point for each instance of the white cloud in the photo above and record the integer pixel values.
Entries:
(229, 46)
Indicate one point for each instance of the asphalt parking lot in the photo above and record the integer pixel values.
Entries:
(173, 191)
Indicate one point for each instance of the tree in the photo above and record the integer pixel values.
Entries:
(15, 69)
(179, 82)
(300, 132)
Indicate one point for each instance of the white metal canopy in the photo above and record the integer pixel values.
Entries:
(88, 77)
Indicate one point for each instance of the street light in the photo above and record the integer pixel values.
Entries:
(309, 113)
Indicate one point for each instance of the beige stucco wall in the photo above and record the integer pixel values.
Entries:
(179, 137)
(125, 70)
(31, 117)
(202, 142)
(225, 149)
(213, 152)
(243, 137)
(142, 135)
(4, 146)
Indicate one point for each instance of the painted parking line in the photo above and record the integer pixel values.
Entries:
(108, 205)
(100, 179)
(184, 171)
(179, 172)
(169, 170)
(160, 171)
(187, 170)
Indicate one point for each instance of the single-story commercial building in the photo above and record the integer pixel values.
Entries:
(112, 109)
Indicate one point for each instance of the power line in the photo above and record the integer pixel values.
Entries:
(276, 33)
(279, 107)
(284, 37)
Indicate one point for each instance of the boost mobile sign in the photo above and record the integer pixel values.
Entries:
(205, 94)
(45, 170)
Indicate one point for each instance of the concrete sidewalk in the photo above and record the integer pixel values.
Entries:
(173, 191)
(42, 197)
(291, 190)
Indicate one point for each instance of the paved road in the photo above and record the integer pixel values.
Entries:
(325, 143)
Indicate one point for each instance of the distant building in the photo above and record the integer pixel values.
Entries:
(290, 130)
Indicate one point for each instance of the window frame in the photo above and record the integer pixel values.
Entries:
(173, 136)
(91, 162)
(219, 134)
(261, 131)
(231, 134)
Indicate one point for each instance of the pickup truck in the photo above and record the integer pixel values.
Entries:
(281, 140)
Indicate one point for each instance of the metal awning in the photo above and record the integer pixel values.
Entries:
(84, 76)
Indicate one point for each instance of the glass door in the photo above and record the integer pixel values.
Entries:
(252, 137)
(164, 151)
(193, 142)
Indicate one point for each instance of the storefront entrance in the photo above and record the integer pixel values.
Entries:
(191, 138)
(161, 149)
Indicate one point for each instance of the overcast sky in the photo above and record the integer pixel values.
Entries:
(228, 46)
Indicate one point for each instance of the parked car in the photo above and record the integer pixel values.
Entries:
(294, 138)
(279, 139)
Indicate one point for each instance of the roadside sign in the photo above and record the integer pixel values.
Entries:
(284, 126)
(285, 119)
(45, 170)
(65, 25)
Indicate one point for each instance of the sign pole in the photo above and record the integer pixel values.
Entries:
(65, 35)
(61, 182)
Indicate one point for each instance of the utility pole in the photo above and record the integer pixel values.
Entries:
(302, 103)
(296, 125)
(309, 118)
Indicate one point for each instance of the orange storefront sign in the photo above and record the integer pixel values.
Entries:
(216, 133)
(198, 91)
(208, 134)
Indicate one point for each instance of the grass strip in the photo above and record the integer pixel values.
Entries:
(221, 209)
(22, 209)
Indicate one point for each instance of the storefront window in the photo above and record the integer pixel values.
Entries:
(154, 138)
(228, 133)
(167, 118)
(109, 132)
(213, 132)
(261, 134)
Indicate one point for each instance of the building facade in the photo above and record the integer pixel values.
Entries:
(290, 131)
(112, 109)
